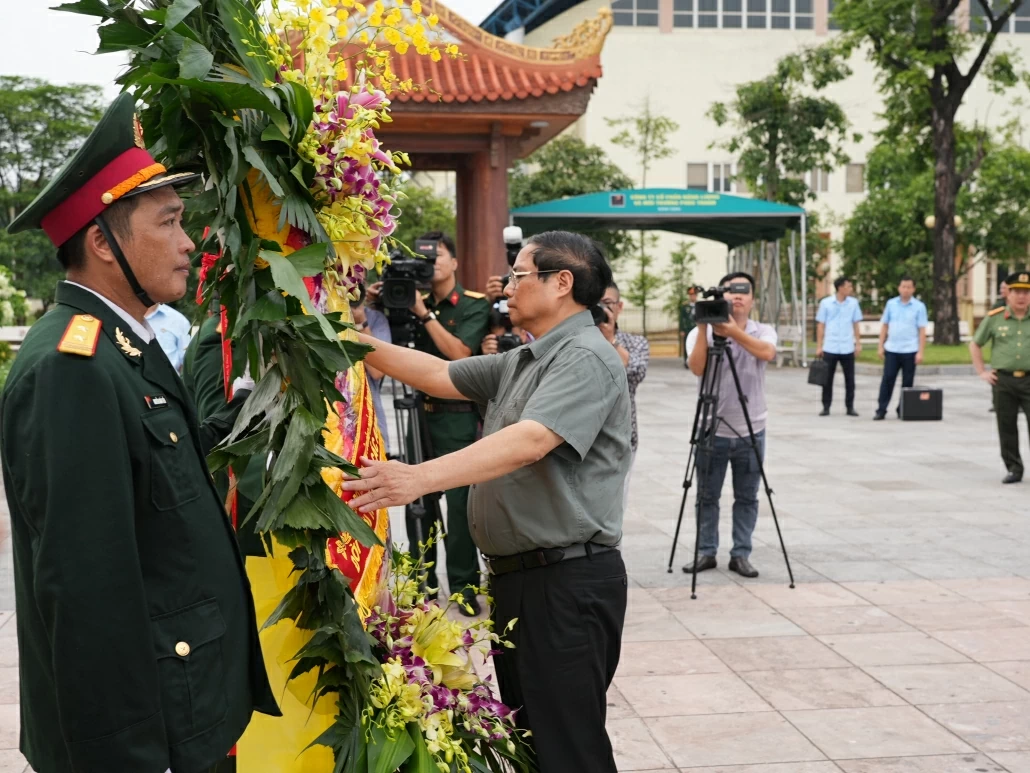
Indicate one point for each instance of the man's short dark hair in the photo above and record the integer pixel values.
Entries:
(72, 254)
(839, 282)
(577, 254)
(738, 275)
(613, 286)
(907, 279)
(441, 238)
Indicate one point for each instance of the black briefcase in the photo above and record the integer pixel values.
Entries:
(818, 372)
(922, 404)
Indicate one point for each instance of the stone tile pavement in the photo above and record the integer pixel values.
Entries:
(904, 648)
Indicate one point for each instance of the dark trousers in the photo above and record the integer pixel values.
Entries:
(567, 642)
(892, 363)
(847, 364)
(1010, 395)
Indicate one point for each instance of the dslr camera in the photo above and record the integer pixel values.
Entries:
(512, 237)
(717, 310)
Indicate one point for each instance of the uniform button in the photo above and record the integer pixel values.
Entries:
(174, 437)
(182, 649)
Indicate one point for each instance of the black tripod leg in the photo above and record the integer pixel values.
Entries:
(688, 474)
(761, 464)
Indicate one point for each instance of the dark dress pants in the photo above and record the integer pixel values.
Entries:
(847, 365)
(892, 363)
(567, 642)
(1011, 394)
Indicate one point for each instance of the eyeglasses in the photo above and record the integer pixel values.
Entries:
(517, 276)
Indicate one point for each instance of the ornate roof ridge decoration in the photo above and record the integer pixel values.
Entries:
(582, 47)
(587, 38)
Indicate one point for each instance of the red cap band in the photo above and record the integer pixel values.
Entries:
(78, 210)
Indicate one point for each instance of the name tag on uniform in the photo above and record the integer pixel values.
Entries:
(156, 401)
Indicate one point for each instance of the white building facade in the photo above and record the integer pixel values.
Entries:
(685, 55)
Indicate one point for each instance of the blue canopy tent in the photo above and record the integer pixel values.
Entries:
(738, 222)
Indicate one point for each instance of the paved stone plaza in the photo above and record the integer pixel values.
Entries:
(905, 647)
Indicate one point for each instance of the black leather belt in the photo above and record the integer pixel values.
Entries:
(535, 559)
(1013, 373)
(449, 407)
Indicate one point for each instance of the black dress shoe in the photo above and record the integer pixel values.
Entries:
(824, 412)
(704, 563)
(852, 412)
(743, 567)
(879, 416)
(1012, 478)
(470, 603)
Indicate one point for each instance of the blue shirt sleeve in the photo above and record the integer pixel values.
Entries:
(921, 315)
(820, 316)
(856, 312)
(886, 318)
(378, 326)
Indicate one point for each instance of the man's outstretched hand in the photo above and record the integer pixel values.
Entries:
(384, 484)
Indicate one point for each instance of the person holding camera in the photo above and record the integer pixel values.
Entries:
(452, 324)
(503, 336)
(634, 351)
(545, 505)
(752, 345)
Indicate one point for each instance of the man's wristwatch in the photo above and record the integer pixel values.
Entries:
(429, 317)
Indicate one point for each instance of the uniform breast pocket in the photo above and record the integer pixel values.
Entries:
(188, 647)
(511, 410)
(173, 481)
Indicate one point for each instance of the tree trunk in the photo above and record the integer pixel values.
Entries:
(945, 301)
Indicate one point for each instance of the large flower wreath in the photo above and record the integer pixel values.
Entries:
(298, 207)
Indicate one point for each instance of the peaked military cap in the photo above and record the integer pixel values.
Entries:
(112, 164)
(1020, 280)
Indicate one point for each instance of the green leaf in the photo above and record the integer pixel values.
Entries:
(386, 754)
(260, 400)
(301, 513)
(310, 260)
(194, 60)
(285, 275)
(343, 518)
(421, 761)
(251, 154)
(272, 133)
(241, 24)
(179, 10)
(298, 446)
(224, 455)
(268, 308)
(121, 36)
(87, 8)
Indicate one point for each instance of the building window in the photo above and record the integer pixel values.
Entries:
(697, 177)
(722, 178)
(804, 18)
(756, 15)
(683, 13)
(819, 181)
(833, 23)
(855, 182)
(635, 13)
(708, 13)
(978, 19)
(731, 17)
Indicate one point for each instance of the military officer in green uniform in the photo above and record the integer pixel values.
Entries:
(1007, 329)
(137, 635)
(452, 324)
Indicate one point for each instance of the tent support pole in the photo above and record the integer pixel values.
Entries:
(804, 291)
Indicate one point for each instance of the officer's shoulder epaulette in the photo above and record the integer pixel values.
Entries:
(472, 294)
(998, 310)
(81, 335)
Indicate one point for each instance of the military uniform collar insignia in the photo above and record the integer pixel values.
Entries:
(454, 298)
(125, 344)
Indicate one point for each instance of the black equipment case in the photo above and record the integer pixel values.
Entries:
(922, 404)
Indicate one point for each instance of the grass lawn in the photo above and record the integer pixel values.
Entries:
(935, 354)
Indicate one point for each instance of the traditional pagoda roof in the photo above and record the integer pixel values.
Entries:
(492, 69)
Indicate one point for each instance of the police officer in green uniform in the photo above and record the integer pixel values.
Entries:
(1007, 329)
(137, 638)
(453, 322)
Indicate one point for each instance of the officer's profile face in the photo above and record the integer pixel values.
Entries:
(446, 264)
(157, 247)
(1019, 300)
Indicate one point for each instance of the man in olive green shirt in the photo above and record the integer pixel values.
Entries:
(1007, 329)
(546, 499)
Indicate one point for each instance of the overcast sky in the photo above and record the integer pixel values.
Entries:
(57, 46)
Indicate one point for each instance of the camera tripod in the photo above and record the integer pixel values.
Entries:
(415, 446)
(702, 444)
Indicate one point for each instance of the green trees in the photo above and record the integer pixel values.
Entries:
(41, 126)
(423, 210)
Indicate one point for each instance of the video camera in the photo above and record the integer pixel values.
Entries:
(403, 278)
(717, 310)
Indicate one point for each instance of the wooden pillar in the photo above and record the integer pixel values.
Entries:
(484, 209)
(462, 208)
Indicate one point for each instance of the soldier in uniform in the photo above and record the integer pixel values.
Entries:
(452, 324)
(137, 635)
(1007, 329)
